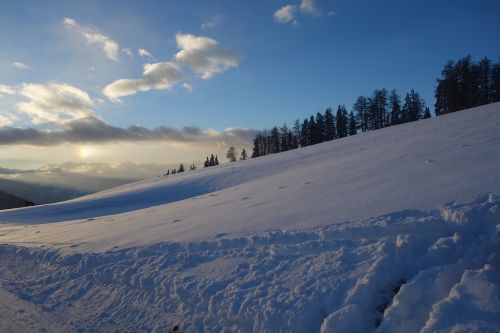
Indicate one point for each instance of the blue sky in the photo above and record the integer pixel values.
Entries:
(268, 68)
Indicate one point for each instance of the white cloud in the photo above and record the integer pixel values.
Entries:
(187, 86)
(285, 14)
(92, 36)
(145, 54)
(20, 65)
(204, 56)
(213, 22)
(161, 76)
(6, 90)
(309, 7)
(54, 103)
(128, 52)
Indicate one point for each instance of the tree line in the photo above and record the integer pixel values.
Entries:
(465, 84)
(381, 109)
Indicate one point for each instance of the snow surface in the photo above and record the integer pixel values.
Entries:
(394, 230)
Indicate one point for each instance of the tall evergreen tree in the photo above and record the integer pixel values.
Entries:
(207, 163)
(362, 112)
(342, 120)
(313, 131)
(395, 104)
(212, 160)
(484, 80)
(181, 168)
(296, 133)
(320, 127)
(274, 141)
(305, 136)
(495, 83)
(216, 161)
(256, 150)
(330, 131)
(352, 126)
(284, 138)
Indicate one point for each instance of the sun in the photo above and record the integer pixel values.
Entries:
(85, 152)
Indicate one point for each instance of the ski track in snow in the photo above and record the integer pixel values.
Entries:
(358, 278)
(394, 230)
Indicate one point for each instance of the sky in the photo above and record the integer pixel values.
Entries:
(169, 81)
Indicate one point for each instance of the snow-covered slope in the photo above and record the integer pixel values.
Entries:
(394, 230)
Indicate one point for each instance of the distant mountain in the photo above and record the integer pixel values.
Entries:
(40, 194)
(8, 201)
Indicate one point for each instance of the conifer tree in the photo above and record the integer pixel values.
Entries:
(216, 161)
(342, 121)
(244, 155)
(296, 133)
(330, 132)
(395, 103)
(352, 126)
(207, 163)
(361, 109)
(181, 168)
(212, 160)
(320, 128)
(256, 150)
(231, 154)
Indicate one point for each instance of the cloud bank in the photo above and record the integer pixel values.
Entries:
(94, 130)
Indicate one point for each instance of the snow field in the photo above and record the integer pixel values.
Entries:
(411, 272)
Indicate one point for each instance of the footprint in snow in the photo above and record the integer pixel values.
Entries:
(282, 187)
(429, 161)
(244, 198)
(307, 183)
(73, 245)
(176, 221)
(38, 232)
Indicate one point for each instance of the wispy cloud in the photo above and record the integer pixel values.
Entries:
(54, 103)
(187, 86)
(204, 56)
(145, 54)
(285, 14)
(161, 76)
(128, 52)
(20, 65)
(212, 22)
(93, 130)
(92, 36)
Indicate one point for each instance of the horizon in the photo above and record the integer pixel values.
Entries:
(205, 76)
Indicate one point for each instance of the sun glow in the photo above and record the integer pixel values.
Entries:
(85, 152)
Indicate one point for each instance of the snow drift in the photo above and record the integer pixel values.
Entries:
(389, 231)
